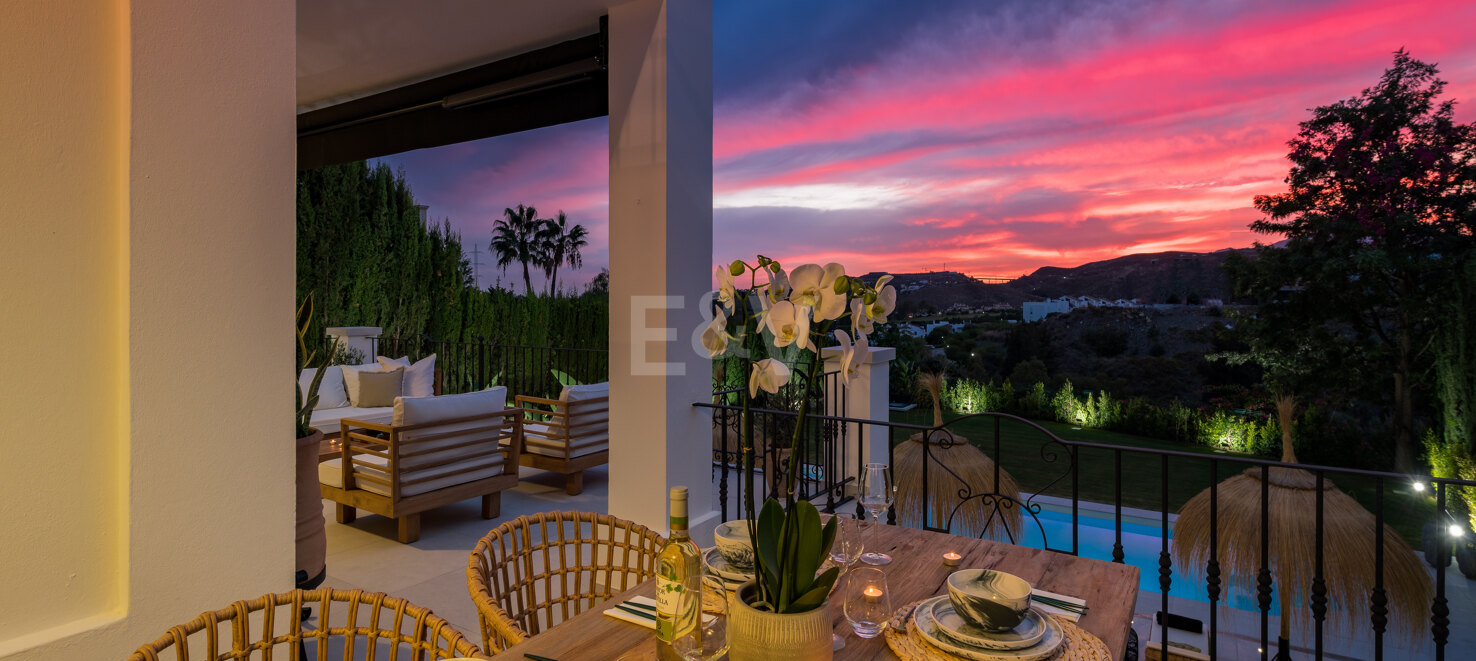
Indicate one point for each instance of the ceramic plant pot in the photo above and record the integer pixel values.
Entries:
(312, 541)
(755, 635)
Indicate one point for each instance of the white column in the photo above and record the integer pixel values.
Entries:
(359, 338)
(660, 258)
(866, 398)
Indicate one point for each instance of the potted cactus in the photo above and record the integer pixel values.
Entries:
(782, 614)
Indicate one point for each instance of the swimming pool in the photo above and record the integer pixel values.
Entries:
(1141, 544)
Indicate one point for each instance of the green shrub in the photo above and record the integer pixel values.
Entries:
(1453, 460)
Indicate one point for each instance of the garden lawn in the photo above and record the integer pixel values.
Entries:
(1023, 452)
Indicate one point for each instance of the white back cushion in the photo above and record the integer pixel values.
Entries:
(420, 377)
(589, 421)
(419, 410)
(331, 394)
(351, 379)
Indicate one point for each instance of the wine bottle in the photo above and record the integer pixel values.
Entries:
(678, 560)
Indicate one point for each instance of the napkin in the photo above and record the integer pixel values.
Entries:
(649, 623)
(1057, 611)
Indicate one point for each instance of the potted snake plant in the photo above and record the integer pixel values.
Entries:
(783, 613)
(312, 541)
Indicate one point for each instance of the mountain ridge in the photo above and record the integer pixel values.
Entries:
(1161, 277)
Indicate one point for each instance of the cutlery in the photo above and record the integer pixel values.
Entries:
(535, 657)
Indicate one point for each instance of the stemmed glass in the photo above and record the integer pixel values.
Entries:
(705, 636)
(844, 552)
(876, 496)
(868, 601)
(847, 547)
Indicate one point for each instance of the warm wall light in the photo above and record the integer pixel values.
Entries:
(1419, 486)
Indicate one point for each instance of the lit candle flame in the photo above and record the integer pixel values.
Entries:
(872, 591)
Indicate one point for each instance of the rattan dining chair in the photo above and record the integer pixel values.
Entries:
(535, 571)
(369, 625)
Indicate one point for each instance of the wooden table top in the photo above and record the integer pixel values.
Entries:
(916, 572)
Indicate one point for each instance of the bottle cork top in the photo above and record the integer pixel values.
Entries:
(678, 493)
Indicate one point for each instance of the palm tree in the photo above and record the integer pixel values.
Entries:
(559, 244)
(515, 239)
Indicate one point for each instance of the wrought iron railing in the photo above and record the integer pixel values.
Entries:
(1058, 466)
(479, 364)
(823, 447)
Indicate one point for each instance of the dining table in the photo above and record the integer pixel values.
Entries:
(917, 571)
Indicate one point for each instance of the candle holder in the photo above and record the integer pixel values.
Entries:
(868, 601)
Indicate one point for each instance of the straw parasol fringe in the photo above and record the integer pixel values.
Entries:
(1348, 551)
(998, 517)
(975, 469)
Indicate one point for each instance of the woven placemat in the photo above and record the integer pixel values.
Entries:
(909, 645)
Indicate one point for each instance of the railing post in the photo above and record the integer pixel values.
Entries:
(360, 338)
(865, 397)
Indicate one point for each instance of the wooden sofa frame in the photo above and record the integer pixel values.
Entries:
(505, 425)
(555, 424)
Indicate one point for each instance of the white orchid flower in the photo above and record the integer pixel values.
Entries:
(852, 356)
(715, 337)
(778, 287)
(886, 301)
(725, 292)
(788, 325)
(814, 287)
(768, 374)
(860, 319)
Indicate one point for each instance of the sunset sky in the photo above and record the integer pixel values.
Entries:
(989, 138)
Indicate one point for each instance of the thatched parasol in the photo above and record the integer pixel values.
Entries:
(1348, 546)
(972, 470)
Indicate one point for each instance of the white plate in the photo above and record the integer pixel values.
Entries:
(922, 616)
(1028, 632)
(716, 564)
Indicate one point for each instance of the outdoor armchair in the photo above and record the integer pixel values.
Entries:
(436, 451)
(569, 434)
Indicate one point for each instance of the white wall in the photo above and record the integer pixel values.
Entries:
(660, 257)
(147, 279)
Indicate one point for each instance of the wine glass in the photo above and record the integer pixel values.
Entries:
(876, 496)
(847, 547)
(844, 552)
(868, 601)
(705, 636)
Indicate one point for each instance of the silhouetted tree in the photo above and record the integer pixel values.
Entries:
(515, 239)
(1378, 214)
(559, 244)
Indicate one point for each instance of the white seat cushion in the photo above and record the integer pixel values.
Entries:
(536, 441)
(331, 473)
(327, 420)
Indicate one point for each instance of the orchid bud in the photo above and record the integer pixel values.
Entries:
(842, 285)
(870, 297)
(737, 267)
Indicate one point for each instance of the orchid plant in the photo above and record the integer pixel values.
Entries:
(791, 313)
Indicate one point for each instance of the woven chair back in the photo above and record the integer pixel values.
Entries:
(536, 571)
(367, 625)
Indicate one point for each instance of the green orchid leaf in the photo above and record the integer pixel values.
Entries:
(808, 538)
(816, 595)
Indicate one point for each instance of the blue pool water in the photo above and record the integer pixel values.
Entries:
(1141, 544)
